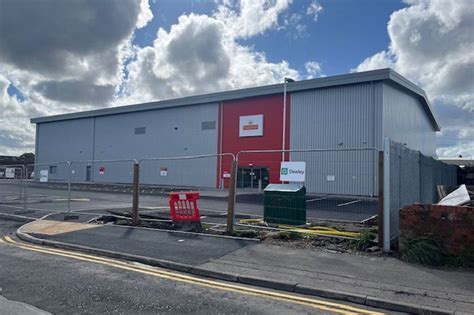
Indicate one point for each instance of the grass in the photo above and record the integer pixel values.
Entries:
(425, 250)
(364, 241)
(422, 250)
(290, 236)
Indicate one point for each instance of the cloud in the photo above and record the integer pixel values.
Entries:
(79, 55)
(313, 69)
(247, 18)
(14, 137)
(314, 9)
(295, 25)
(198, 55)
(380, 60)
(431, 43)
(75, 91)
(68, 56)
(67, 38)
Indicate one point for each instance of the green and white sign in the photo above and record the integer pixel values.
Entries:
(293, 172)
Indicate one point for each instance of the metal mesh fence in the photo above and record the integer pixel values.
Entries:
(201, 173)
(11, 184)
(414, 178)
(339, 185)
(101, 187)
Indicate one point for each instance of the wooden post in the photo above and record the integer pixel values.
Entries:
(231, 201)
(136, 188)
(380, 217)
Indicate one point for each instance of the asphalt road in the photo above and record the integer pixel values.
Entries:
(45, 200)
(63, 283)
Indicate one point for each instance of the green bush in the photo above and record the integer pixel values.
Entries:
(463, 260)
(364, 241)
(422, 250)
(290, 236)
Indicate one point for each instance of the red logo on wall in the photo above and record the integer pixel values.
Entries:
(250, 126)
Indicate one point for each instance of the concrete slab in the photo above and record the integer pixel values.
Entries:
(50, 227)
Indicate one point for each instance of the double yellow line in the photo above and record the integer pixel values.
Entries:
(241, 289)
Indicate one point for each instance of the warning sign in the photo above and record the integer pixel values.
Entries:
(44, 176)
(163, 171)
(10, 173)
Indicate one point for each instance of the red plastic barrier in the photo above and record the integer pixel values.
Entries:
(184, 207)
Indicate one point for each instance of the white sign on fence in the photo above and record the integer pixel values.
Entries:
(251, 126)
(10, 173)
(44, 176)
(102, 170)
(293, 171)
(163, 171)
(331, 178)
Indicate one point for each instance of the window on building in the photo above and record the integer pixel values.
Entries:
(140, 130)
(53, 169)
(208, 125)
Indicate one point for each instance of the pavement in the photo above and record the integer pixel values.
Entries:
(382, 282)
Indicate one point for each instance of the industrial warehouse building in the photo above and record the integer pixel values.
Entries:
(353, 111)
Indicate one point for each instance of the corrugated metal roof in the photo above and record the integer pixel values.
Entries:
(351, 78)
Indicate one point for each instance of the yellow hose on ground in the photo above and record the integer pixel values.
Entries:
(313, 230)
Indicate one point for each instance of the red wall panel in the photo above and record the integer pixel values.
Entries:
(271, 107)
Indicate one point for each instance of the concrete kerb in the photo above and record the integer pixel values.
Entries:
(16, 217)
(260, 282)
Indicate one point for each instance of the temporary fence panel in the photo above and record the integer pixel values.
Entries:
(46, 187)
(340, 184)
(11, 184)
(206, 174)
(102, 171)
(180, 172)
(348, 172)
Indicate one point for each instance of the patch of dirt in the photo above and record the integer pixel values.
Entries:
(328, 244)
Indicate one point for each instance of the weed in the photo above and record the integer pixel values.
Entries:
(364, 241)
(422, 250)
(290, 236)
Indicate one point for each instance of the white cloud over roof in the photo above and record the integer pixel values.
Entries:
(432, 43)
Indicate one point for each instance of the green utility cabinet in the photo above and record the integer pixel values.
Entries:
(285, 204)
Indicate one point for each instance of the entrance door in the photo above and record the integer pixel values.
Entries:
(249, 177)
(88, 173)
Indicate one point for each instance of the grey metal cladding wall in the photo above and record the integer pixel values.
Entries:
(405, 120)
(63, 141)
(168, 132)
(340, 117)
